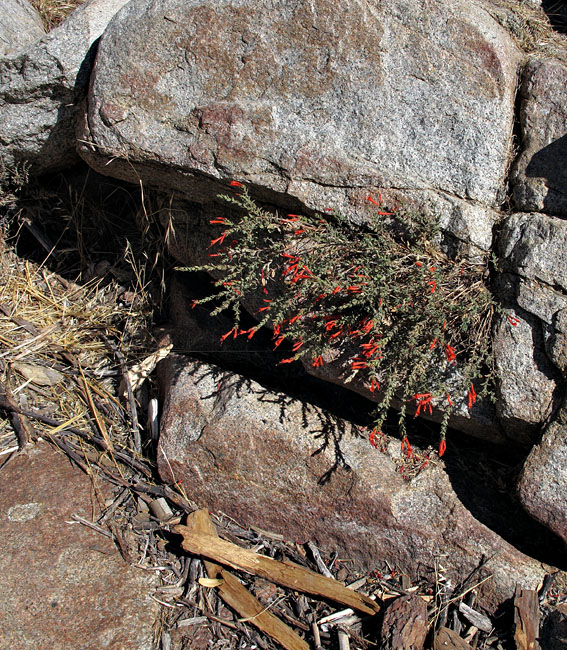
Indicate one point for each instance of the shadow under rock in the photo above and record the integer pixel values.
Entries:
(550, 163)
(484, 477)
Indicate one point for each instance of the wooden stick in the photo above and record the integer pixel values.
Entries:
(344, 643)
(236, 596)
(283, 573)
(448, 640)
(526, 619)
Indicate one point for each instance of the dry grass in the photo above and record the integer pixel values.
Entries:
(47, 322)
(52, 12)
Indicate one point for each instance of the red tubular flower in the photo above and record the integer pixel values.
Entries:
(317, 362)
(418, 264)
(291, 268)
(374, 385)
(472, 396)
(372, 438)
(433, 344)
(423, 402)
(233, 331)
(337, 333)
(223, 220)
(513, 321)
(449, 400)
(407, 447)
(335, 290)
(433, 285)
(235, 184)
(290, 360)
(297, 345)
(450, 353)
(442, 447)
(358, 364)
(279, 341)
(369, 349)
(219, 240)
(366, 325)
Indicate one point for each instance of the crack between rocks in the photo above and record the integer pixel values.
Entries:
(516, 138)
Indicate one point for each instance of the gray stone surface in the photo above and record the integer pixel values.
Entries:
(251, 453)
(42, 86)
(540, 174)
(527, 380)
(304, 101)
(63, 585)
(532, 357)
(534, 246)
(20, 25)
(543, 484)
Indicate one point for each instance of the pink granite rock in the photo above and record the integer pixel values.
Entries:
(267, 459)
(63, 585)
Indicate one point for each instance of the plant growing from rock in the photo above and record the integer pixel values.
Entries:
(406, 321)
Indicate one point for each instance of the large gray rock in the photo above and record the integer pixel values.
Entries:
(307, 102)
(540, 174)
(251, 452)
(42, 86)
(20, 25)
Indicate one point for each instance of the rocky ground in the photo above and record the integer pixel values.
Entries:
(123, 418)
(92, 557)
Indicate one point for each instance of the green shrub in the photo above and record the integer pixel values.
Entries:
(405, 320)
